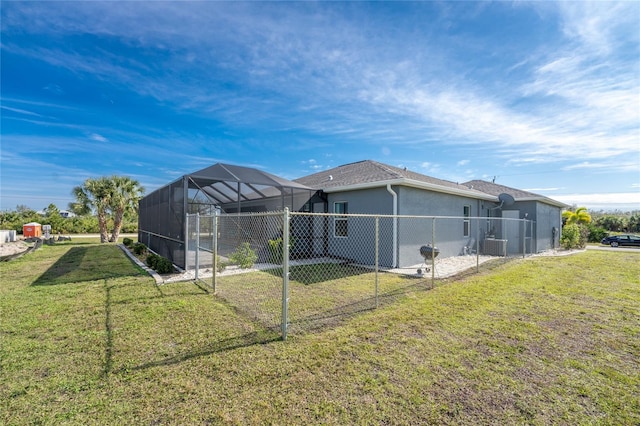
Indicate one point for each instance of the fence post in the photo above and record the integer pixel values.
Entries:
(186, 243)
(197, 244)
(285, 274)
(377, 255)
(524, 238)
(433, 246)
(505, 237)
(214, 249)
(478, 244)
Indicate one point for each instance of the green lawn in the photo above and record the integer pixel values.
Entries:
(88, 338)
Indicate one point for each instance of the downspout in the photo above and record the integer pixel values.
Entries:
(395, 225)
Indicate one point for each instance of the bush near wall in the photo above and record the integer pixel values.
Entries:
(244, 256)
(573, 236)
(160, 264)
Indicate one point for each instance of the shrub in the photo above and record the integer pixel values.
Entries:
(163, 265)
(596, 234)
(139, 248)
(127, 242)
(276, 249)
(244, 256)
(570, 237)
(584, 235)
(220, 265)
(152, 260)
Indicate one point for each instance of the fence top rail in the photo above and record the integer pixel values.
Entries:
(245, 214)
(390, 216)
(161, 236)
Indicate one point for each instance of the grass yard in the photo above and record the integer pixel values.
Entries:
(320, 295)
(88, 338)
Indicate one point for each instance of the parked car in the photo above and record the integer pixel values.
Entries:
(622, 240)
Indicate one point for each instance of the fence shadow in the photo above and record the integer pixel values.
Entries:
(320, 272)
(242, 341)
(85, 263)
(335, 316)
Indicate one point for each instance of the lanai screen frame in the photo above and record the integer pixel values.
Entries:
(224, 187)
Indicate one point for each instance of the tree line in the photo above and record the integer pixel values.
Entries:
(105, 205)
(581, 227)
(109, 205)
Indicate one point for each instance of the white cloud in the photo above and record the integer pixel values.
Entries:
(618, 200)
(54, 88)
(599, 25)
(622, 165)
(97, 137)
(20, 111)
(430, 168)
(542, 189)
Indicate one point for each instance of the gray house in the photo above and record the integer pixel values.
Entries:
(369, 187)
(544, 211)
(412, 209)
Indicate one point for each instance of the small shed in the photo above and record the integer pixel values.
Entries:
(32, 229)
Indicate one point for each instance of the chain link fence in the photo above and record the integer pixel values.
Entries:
(297, 272)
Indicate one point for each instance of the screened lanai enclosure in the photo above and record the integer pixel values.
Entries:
(220, 188)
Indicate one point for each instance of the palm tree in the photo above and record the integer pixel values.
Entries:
(580, 216)
(94, 194)
(124, 198)
(107, 195)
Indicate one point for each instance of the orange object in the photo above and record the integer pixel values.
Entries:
(32, 229)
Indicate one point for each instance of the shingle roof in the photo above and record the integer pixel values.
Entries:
(517, 194)
(371, 172)
(496, 189)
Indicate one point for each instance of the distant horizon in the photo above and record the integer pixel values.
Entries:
(595, 206)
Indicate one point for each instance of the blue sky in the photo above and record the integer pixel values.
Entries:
(543, 96)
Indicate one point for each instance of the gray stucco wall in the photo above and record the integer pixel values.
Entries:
(547, 218)
(448, 234)
(359, 245)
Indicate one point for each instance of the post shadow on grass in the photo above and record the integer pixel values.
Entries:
(321, 272)
(86, 263)
(333, 317)
(108, 351)
(243, 341)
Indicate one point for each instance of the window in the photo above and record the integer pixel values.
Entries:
(340, 228)
(466, 223)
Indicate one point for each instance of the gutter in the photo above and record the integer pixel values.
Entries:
(415, 184)
(545, 200)
(395, 225)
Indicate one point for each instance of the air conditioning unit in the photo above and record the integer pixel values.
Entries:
(495, 247)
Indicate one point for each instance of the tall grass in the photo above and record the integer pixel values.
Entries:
(88, 338)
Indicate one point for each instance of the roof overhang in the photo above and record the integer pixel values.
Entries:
(461, 191)
(545, 200)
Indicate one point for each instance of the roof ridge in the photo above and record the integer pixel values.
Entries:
(504, 188)
(387, 168)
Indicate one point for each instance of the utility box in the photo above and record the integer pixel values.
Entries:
(7, 236)
(32, 229)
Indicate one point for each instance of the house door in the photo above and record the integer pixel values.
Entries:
(512, 230)
(319, 226)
